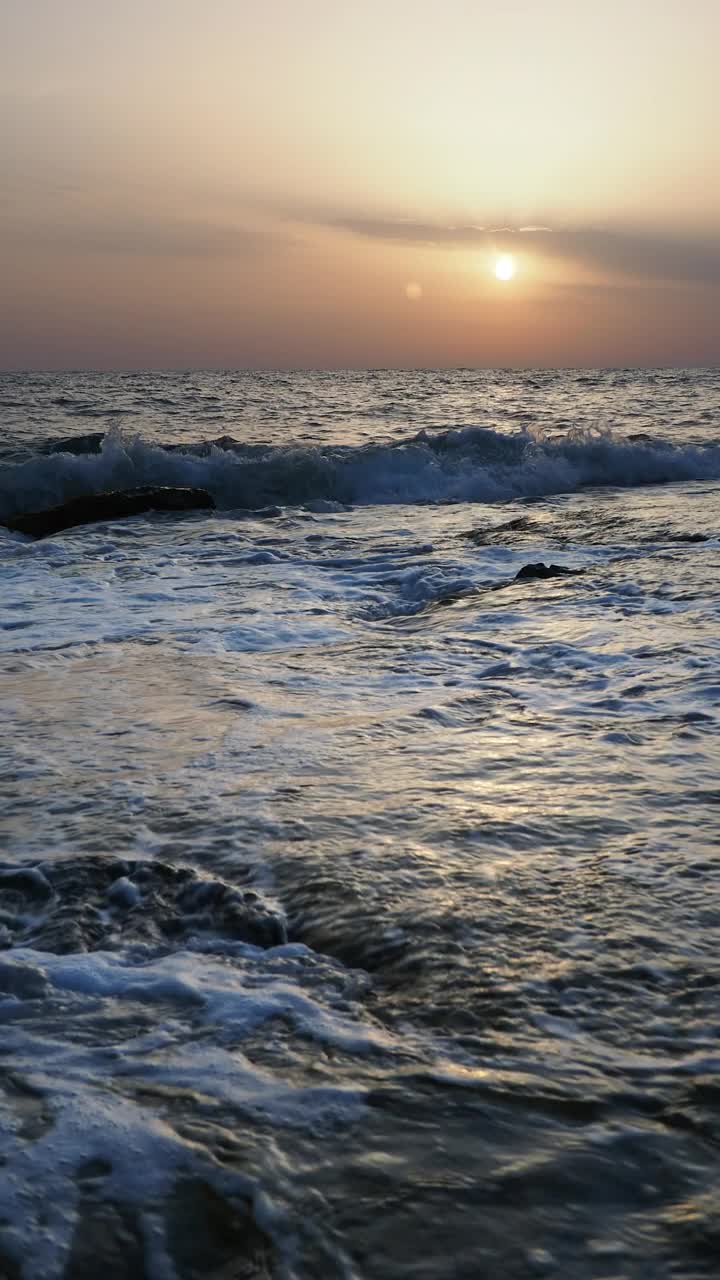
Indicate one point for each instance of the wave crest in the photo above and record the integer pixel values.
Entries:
(471, 464)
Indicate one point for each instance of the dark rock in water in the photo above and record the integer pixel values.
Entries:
(669, 535)
(109, 506)
(521, 524)
(226, 442)
(208, 1236)
(266, 513)
(540, 570)
(91, 1172)
(107, 1242)
(9, 1266)
(70, 927)
(91, 442)
(22, 980)
(28, 1103)
(26, 880)
(203, 448)
(98, 902)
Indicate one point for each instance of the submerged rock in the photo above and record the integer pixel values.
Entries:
(28, 1103)
(27, 880)
(26, 981)
(90, 442)
(9, 1266)
(109, 506)
(207, 1235)
(540, 570)
(521, 524)
(107, 1242)
(203, 448)
(226, 442)
(97, 902)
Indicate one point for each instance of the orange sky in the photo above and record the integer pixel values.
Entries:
(234, 184)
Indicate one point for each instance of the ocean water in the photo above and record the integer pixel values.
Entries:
(360, 902)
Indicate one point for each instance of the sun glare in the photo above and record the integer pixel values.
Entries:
(504, 267)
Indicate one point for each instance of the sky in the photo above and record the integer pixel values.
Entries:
(319, 184)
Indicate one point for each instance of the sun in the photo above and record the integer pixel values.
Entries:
(505, 267)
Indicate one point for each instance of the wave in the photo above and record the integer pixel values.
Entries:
(471, 464)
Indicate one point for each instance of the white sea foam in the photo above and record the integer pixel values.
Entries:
(471, 464)
(85, 1086)
(224, 995)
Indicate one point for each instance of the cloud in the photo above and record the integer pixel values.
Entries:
(692, 257)
(153, 237)
(407, 231)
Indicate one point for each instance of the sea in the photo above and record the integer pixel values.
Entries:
(359, 878)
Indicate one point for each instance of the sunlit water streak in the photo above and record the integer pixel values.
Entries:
(443, 1000)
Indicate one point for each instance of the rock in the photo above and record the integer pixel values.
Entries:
(226, 443)
(124, 894)
(109, 506)
(91, 442)
(521, 524)
(540, 570)
(203, 448)
(25, 981)
(69, 928)
(208, 1235)
(100, 902)
(28, 881)
(91, 1173)
(30, 1107)
(107, 1242)
(9, 1266)
(325, 506)
(266, 513)
(230, 911)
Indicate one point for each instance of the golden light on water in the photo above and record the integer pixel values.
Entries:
(505, 267)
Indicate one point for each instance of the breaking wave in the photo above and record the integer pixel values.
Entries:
(472, 464)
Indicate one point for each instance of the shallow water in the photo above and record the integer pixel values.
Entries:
(351, 885)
